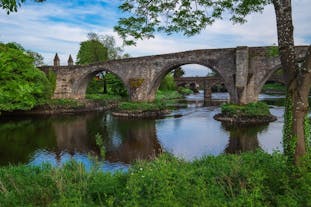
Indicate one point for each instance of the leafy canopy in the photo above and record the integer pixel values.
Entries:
(114, 51)
(38, 58)
(189, 17)
(12, 5)
(92, 51)
(22, 86)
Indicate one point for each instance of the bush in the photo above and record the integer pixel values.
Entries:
(168, 83)
(22, 86)
(184, 91)
(251, 109)
(167, 95)
(274, 86)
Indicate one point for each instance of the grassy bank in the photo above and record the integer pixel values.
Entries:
(274, 87)
(164, 100)
(251, 109)
(249, 179)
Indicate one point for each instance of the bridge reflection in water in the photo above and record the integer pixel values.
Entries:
(188, 133)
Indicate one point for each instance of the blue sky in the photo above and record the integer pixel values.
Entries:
(59, 26)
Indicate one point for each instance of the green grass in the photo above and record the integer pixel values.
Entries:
(168, 95)
(164, 100)
(251, 109)
(249, 179)
(105, 97)
(141, 106)
(184, 91)
(64, 103)
(274, 87)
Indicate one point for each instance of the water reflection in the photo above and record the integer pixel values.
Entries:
(57, 139)
(130, 140)
(242, 138)
(187, 132)
(20, 138)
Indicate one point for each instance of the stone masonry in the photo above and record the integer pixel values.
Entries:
(244, 70)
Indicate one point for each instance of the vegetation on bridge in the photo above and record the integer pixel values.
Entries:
(249, 179)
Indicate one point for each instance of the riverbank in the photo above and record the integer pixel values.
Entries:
(249, 179)
(66, 106)
(164, 103)
(165, 100)
(141, 109)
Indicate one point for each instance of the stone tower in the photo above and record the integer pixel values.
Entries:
(56, 60)
(70, 61)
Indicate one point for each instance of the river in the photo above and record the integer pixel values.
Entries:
(187, 133)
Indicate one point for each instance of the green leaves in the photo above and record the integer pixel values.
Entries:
(22, 86)
(12, 5)
(190, 17)
(251, 109)
(92, 51)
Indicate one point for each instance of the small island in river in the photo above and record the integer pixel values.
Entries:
(249, 114)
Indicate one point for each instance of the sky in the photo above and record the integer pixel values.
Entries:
(59, 26)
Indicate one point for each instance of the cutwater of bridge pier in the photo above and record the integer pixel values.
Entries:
(243, 70)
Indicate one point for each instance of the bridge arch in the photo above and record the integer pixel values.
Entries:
(171, 66)
(265, 78)
(81, 84)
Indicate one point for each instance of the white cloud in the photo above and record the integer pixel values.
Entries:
(48, 28)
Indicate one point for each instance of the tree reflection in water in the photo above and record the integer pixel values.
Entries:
(243, 138)
(125, 140)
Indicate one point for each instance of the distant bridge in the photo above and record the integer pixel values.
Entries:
(209, 81)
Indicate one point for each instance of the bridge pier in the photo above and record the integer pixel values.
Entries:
(248, 94)
(138, 90)
(244, 78)
(207, 93)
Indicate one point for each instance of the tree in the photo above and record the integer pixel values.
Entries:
(91, 51)
(168, 83)
(191, 16)
(114, 51)
(12, 5)
(38, 58)
(178, 72)
(22, 86)
(100, 48)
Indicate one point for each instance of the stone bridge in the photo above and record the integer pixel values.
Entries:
(244, 70)
(207, 83)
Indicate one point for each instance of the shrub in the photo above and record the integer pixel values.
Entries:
(168, 83)
(22, 86)
(184, 91)
(251, 109)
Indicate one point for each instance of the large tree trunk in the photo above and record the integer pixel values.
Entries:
(298, 83)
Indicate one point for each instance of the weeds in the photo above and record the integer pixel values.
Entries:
(249, 179)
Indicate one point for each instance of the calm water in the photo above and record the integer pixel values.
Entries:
(188, 133)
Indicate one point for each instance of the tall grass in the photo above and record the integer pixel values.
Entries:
(249, 179)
